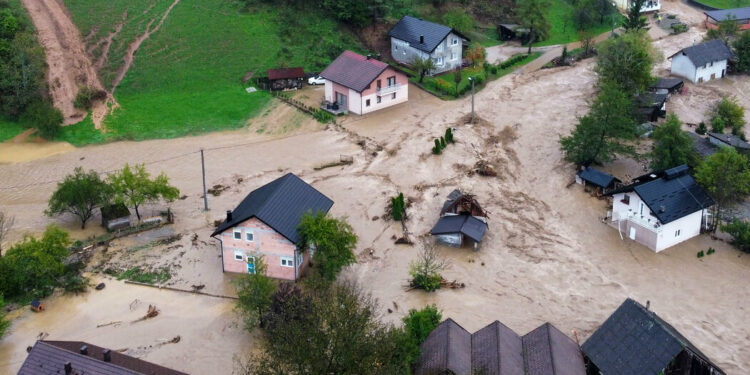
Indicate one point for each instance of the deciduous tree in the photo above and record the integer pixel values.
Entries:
(254, 292)
(476, 54)
(458, 19)
(423, 66)
(532, 14)
(731, 114)
(627, 62)
(672, 146)
(134, 187)
(80, 194)
(726, 177)
(742, 52)
(332, 239)
(4, 324)
(635, 21)
(33, 266)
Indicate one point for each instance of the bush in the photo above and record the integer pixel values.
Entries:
(86, 97)
(419, 323)
(740, 232)
(449, 136)
(701, 129)
(731, 113)
(442, 142)
(717, 125)
(443, 86)
(426, 282)
(398, 207)
(4, 324)
(44, 117)
(700, 254)
(425, 270)
(513, 60)
(437, 149)
(493, 70)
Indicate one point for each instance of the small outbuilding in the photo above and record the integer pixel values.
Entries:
(668, 85)
(285, 78)
(115, 216)
(702, 62)
(461, 218)
(592, 176)
(650, 106)
(729, 140)
(740, 15)
(509, 31)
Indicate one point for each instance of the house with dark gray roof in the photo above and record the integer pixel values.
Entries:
(739, 15)
(362, 84)
(729, 140)
(263, 227)
(498, 350)
(414, 38)
(635, 340)
(701, 145)
(76, 357)
(461, 218)
(702, 62)
(661, 209)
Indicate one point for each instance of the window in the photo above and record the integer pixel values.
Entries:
(287, 261)
(378, 99)
(677, 234)
(393, 96)
(300, 259)
(439, 61)
(625, 199)
(238, 255)
(249, 236)
(367, 103)
(455, 41)
(453, 55)
(237, 234)
(392, 81)
(440, 47)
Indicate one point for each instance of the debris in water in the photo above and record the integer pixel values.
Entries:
(114, 323)
(100, 286)
(152, 313)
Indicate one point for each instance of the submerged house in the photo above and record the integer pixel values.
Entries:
(460, 218)
(497, 350)
(634, 340)
(76, 357)
(729, 140)
(702, 62)
(265, 225)
(413, 38)
(361, 84)
(660, 210)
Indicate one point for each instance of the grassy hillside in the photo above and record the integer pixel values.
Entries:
(186, 78)
(726, 4)
(564, 30)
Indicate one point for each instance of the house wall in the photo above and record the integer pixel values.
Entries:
(452, 240)
(648, 5)
(450, 53)
(683, 67)
(268, 243)
(387, 100)
(689, 227)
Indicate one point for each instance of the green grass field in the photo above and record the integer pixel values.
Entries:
(187, 78)
(725, 4)
(9, 129)
(564, 30)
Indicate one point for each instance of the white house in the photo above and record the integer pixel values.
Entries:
(660, 210)
(648, 5)
(416, 38)
(702, 62)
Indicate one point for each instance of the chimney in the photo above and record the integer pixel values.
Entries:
(84, 350)
(229, 216)
(68, 368)
(107, 355)
(421, 39)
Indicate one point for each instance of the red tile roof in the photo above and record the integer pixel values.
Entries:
(354, 70)
(285, 73)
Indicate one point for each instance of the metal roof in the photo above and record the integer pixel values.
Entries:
(280, 204)
(668, 83)
(722, 14)
(701, 145)
(634, 340)
(467, 225)
(447, 350)
(731, 140)
(672, 198)
(597, 177)
(50, 357)
(285, 73)
(409, 29)
(354, 71)
(706, 52)
(547, 351)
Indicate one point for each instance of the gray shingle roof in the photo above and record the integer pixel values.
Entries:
(547, 351)
(597, 177)
(353, 70)
(706, 52)
(668, 83)
(701, 145)
(497, 350)
(671, 198)
(50, 357)
(722, 14)
(634, 340)
(731, 140)
(280, 204)
(447, 350)
(467, 225)
(409, 29)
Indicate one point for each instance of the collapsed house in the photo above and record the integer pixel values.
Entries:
(460, 218)
(498, 350)
(634, 340)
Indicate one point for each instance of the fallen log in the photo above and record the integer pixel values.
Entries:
(151, 313)
(117, 322)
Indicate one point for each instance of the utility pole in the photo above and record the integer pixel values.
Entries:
(472, 99)
(203, 170)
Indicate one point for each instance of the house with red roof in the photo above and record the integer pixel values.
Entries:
(361, 84)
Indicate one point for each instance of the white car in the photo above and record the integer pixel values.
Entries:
(316, 81)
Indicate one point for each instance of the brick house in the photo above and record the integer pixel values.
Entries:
(265, 225)
(361, 84)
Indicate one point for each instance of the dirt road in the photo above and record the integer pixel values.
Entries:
(69, 65)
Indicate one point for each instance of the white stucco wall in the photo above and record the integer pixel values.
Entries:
(689, 227)
(402, 95)
(355, 102)
(683, 67)
(717, 68)
(329, 91)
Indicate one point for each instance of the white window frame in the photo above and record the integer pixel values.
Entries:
(252, 235)
(453, 55)
(440, 61)
(240, 254)
(677, 233)
(287, 262)
(236, 231)
(300, 259)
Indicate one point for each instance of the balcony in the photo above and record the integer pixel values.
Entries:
(650, 6)
(645, 222)
(388, 89)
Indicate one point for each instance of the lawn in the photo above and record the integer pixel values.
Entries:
(725, 4)
(187, 77)
(9, 129)
(564, 30)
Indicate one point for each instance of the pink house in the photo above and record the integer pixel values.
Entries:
(264, 225)
(361, 84)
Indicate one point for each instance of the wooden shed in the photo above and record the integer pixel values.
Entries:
(285, 78)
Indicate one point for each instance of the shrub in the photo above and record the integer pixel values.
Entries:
(710, 251)
(449, 136)
(443, 86)
(513, 60)
(731, 113)
(44, 117)
(419, 323)
(398, 207)
(717, 125)
(700, 254)
(4, 324)
(437, 149)
(442, 142)
(740, 232)
(493, 70)
(701, 129)
(86, 97)
(425, 270)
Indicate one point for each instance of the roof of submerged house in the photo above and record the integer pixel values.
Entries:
(353, 70)
(409, 29)
(731, 140)
(467, 225)
(706, 52)
(701, 145)
(668, 83)
(280, 204)
(634, 340)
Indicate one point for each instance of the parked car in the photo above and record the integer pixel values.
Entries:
(317, 80)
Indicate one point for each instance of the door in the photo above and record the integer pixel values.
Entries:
(341, 99)
(632, 233)
(723, 73)
(713, 75)
(251, 265)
